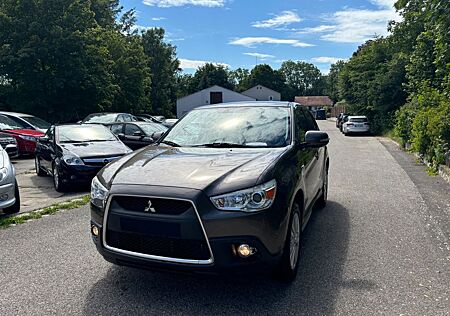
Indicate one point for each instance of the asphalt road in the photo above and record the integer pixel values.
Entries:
(371, 251)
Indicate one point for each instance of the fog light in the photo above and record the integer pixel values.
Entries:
(4, 197)
(245, 251)
(94, 230)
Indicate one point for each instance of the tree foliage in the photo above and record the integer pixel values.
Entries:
(301, 79)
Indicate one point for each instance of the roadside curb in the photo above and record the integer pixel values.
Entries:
(17, 219)
(444, 171)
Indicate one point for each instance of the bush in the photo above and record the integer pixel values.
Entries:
(404, 119)
(430, 134)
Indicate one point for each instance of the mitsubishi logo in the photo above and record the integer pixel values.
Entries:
(149, 207)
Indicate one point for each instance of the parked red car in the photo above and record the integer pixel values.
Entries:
(26, 138)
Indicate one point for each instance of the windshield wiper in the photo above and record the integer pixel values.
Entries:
(223, 145)
(168, 142)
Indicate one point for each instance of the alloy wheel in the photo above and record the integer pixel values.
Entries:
(294, 240)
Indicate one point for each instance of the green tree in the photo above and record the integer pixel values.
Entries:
(301, 79)
(240, 78)
(332, 80)
(210, 75)
(164, 67)
(264, 75)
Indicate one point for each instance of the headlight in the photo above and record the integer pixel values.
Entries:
(250, 200)
(30, 138)
(99, 193)
(3, 174)
(72, 160)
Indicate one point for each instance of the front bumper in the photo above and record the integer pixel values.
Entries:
(222, 230)
(7, 195)
(77, 174)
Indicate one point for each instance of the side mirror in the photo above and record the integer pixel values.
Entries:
(316, 139)
(157, 135)
(137, 133)
(121, 135)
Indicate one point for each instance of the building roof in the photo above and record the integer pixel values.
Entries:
(214, 87)
(259, 85)
(314, 100)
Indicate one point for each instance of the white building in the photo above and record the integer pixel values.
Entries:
(211, 95)
(261, 93)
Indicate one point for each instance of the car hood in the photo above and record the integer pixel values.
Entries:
(27, 132)
(96, 149)
(219, 170)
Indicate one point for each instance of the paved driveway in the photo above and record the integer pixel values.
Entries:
(371, 251)
(38, 192)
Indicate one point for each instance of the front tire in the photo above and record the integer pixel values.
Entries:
(37, 166)
(15, 208)
(57, 182)
(287, 269)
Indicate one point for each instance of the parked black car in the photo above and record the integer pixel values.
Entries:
(320, 114)
(339, 119)
(9, 144)
(230, 196)
(75, 153)
(150, 118)
(108, 118)
(138, 134)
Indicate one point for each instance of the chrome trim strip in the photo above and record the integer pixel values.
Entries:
(153, 257)
(109, 159)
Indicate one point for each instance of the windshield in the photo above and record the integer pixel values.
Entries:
(101, 118)
(7, 123)
(241, 126)
(36, 121)
(78, 134)
(151, 128)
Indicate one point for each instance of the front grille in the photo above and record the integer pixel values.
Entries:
(159, 206)
(156, 227)
(159, 246)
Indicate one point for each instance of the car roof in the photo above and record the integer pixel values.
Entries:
(356, 116)
(16, 114)
(248, 104)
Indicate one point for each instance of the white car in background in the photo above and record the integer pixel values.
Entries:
(9, 191)
(356, 124)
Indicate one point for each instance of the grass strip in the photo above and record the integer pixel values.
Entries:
(49, 210)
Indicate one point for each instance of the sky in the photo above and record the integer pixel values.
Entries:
(242, 33)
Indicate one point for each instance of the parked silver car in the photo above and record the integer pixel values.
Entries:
(356, 124)
(9, 190)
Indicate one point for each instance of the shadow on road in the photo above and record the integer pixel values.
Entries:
(126, 290)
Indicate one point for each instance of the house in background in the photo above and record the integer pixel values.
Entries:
(314, 102)
(211, 95)
(261, 93)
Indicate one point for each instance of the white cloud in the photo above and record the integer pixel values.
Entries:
(317, 29)
(253, 41)
(384, 3)
(194, 64)
(284, 18)
(159, 18)
(326, 60)
(180, 3)
(357, 26)
(260, 56)
(141, 28)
